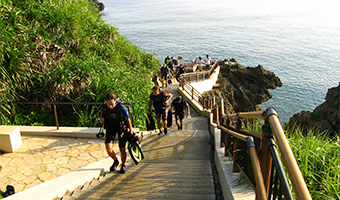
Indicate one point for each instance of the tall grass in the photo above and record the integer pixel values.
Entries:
(318, 157)
(63, 51)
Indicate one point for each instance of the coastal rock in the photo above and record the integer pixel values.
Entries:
(325, 117)
(244, 88)
(99, 5)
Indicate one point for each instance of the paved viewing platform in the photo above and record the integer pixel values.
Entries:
(71, 163)
(42, 158)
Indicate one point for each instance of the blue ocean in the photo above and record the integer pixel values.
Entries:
(298, 40)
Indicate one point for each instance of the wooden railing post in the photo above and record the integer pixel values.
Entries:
(239, 125)
(222, 136)
(192, 93)
(214, 101)
(266, 159)
(226, 139)
(56, 116)
(261, 192)
(204, 103)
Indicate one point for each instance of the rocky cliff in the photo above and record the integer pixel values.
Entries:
(99, 5)
(243, 88)
(325, 117)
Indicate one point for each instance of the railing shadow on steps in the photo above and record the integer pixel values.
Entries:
(254, 154)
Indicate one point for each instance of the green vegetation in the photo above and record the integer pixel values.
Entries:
(62, 51)
(318, 157)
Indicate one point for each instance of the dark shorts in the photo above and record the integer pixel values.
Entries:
(162, 113)
(164, 76)
(110, 137)
(179, 116)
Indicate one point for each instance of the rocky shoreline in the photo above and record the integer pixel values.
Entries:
(325, 117)
(99, 5)
(244, 88)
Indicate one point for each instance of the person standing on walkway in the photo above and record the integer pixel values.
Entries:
(181, 70)
(160, 99)
(165, 72)
(180, 105)
(200, 64)
(207, 62)
(171, 64)
(167, 60)
(175, 64)
(116, 121)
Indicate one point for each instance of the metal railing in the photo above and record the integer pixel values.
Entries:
(54, 104)
(200, 76)
(267, 175)
(186, 79)
(207, 103)
(195, 62)
(254, 154)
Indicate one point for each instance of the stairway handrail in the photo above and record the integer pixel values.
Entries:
(191, 90)
(294, 173)
(204, 73)
(184, 84)
(68, 103)
(260, 187)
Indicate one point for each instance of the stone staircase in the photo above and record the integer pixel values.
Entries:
(176, 166)
(154, 180)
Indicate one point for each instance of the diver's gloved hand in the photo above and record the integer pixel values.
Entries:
(134, 139)
(100, 135)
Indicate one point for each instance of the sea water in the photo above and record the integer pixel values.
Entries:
(298, 40)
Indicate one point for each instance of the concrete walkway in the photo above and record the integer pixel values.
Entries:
(204, 86)
(42, 158)
(176, 166)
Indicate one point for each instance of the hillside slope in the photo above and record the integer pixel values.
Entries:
(63, 51)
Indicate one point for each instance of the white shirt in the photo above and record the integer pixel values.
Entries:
(207, 61)
(200, 62)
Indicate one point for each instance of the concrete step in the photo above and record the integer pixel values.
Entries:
(155, 183)
(154, 179)
(180, 182)
(150, 194)
(176, 166)
(146, 196)
(173, 171)
(148, 186)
